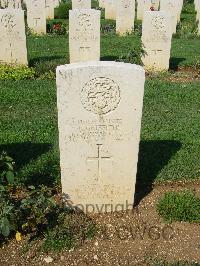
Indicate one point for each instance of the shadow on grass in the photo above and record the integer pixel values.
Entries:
(153, 156)
(34, 61)
(174, 63)
(23, 153)
(36, 163)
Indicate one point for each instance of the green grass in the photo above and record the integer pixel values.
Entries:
(169, 141)
(179, 206)
(169, 147)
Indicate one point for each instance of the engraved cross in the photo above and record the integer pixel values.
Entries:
(99, 159)
(36, 21)
(155, 51)
(10, 49)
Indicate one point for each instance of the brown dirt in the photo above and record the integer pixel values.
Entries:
(138, 237)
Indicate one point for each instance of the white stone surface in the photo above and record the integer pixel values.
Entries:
(99, 118)
(171, 6)
(102, 3)
(11, 4)
(146, 5)
(110, 9)
(81, 4)
(84, 35)
(125, 16)
(12, 37)
(36, 16)
(156, 39)
(49, 6)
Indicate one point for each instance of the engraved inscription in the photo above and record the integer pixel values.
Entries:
(84, 22)
(100, 95)
(158, 22)
(7, 21)
(94, 131)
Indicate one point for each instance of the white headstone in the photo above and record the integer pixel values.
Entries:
(12, 37)
(99, 117)
(146, 5)
(102, 3)
(171, 6)
(156, 39)
(110, 9)
(36, 16)
(125, 16)
(49, 6)
(81, 4)
(84, 35)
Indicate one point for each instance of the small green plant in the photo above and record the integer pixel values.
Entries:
(36, 209)
(62, 12)
(12, 72)
(6, 169)
(179, 206)
(134, 56)
(72, 229)
(7, 215)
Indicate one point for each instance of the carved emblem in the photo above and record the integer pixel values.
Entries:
(84, 22)
(100, 95)
(158, 22)
(8, 21)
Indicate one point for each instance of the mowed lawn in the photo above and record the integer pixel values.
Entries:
(170, 142)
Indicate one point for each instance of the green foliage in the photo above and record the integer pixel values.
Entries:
(6, 169)
(133, 56)
(9, 72)
(36, 209)
(179, 206)
(186, 30)
(7, 215)
(56, 27)
(108, 26)
(72, 229)
(62, 12)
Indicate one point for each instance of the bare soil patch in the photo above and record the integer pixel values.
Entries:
(138, 237)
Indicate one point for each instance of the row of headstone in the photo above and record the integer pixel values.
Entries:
(115, 9)
(84, 37)
(37, 12)
(84, 33)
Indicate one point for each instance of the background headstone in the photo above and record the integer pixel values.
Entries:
(110, 9)
(146, 5)
(36, 16)
(171, 6)
(156, 39)
(12, 37)
(49, 6)
(102, 3)
(99, 117)
(84, 35)
(125, 16)
(81, 4)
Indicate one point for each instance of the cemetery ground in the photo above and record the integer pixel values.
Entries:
(162, 229)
